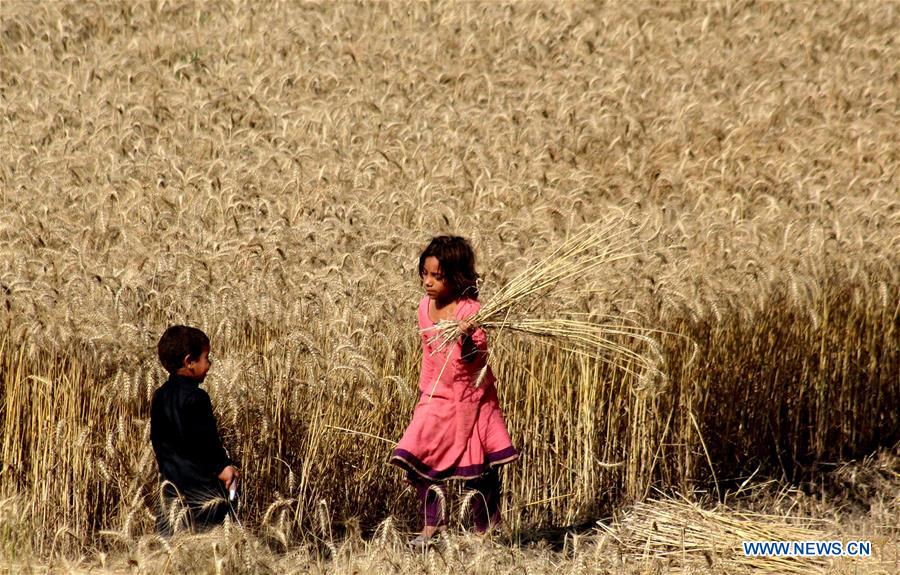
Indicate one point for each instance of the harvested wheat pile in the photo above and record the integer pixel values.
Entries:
(682, 534)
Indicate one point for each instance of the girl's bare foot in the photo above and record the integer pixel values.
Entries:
(493, 529)
(429, 531)
(423, 539)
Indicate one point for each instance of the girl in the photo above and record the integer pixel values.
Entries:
(457, 430)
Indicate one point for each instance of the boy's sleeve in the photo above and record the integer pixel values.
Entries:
(208, 449)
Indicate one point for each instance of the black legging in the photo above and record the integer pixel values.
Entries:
(484, 504)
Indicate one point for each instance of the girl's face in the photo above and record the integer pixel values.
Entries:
(434, 282)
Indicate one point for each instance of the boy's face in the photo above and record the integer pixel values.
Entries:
(196, 368)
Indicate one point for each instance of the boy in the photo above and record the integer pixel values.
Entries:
(184, 435)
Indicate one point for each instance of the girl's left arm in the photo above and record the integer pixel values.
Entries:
(474, 345)
(469, 349)
(474, 339)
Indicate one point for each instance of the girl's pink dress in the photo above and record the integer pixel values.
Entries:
(457, 430)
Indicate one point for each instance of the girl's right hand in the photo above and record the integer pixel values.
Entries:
(467, 327)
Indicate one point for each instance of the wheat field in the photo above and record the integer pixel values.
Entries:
(269, 172)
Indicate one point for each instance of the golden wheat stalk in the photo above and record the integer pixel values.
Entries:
(611, 343)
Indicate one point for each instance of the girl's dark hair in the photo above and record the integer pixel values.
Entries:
(457, 261)
(179, 341)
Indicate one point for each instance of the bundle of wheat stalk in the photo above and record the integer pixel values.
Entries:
(683, 534)
(615, 340)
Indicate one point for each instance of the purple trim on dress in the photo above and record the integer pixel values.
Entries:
(406, 460)
(502, 456)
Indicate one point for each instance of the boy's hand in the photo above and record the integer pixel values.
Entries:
(229, 475)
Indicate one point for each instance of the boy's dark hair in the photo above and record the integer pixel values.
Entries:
(457, 261)
(179, 341)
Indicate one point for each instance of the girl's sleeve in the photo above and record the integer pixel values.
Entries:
(479, 336)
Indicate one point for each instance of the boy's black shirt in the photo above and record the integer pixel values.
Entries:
(185, 439)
